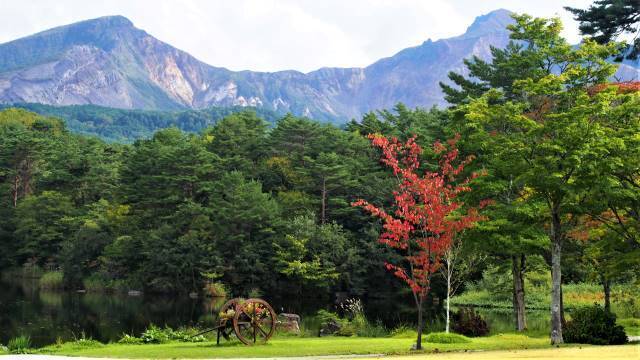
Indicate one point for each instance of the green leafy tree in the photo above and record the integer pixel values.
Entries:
(41, 226)
(311, 254)
(552, 131)
(91, 232)
(244, 221)
(239, 140)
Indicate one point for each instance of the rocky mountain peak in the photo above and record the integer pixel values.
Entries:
(493, 22)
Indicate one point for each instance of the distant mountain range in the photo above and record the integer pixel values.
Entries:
(109, 62)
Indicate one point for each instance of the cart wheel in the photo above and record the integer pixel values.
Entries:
(254, 322)
(227, 305)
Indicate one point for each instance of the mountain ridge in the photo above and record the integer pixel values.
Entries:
(107, 61)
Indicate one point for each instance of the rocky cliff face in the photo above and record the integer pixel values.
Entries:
(109, 62)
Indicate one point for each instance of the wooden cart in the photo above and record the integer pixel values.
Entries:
(253, 321)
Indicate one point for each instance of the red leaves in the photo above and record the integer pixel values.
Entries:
(625, 87)
(426, 214)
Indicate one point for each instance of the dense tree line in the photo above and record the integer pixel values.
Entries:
(253, 207)
(125, 126)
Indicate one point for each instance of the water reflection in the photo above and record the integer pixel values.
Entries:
(48, 316)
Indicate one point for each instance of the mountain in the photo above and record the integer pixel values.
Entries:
(109, 62)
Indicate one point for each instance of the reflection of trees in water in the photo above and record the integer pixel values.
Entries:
(210, 309)
(51, 299)
(47, 315)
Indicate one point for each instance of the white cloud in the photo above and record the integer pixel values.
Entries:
(272, 35)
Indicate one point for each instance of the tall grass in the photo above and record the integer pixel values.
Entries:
(623, 298)
(19, 345)
(94, 284)
(52, 280)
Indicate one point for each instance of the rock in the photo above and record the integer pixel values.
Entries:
(134, 293)
(329, 328)
(289, 323)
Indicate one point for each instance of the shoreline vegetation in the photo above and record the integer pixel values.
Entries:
(356, 336)
(287, 347)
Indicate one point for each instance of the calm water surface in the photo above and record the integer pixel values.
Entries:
(46, 316)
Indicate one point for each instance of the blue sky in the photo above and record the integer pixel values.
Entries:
(270, 35)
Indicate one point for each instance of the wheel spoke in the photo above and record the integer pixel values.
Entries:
(262, 331)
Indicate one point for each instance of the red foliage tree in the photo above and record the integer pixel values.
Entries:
(426, 215)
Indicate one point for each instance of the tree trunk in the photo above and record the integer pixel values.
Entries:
(14, 189)
(324, 201)
(419, 340)
(563, 321)
(448, 298)
(519, 310)
(556, 279)
(607, 293)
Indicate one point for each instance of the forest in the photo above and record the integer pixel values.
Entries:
(255, 206)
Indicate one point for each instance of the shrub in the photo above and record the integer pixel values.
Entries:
(447, 338)
(255, 293)
(185, 335)
(94, 284)
(52, 280)
(19, 345)
(216, 289)
(154, 335)
(594, 325)
(347, 329)
(130, 340)
(467, 322)
(404, 331)
(85, 343)
(368, 329)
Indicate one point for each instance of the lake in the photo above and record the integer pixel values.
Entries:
(46, 316)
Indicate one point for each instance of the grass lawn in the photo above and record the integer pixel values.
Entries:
(567, 353)
(292, 347)
(631, 326)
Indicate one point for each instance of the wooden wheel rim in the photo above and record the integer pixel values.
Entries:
(228, 304)
(243, 318)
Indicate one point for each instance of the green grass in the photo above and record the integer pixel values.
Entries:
(623, 298)
(565, 353)
(631, 326)
(447, 338)
(52, 280)
(279, 347)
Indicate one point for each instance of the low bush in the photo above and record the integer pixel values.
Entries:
(467, 322)
(594, 325)
(84, 344)
(185, 335)
(52, 280)
(130, 340)
(447, 338)
(19, 345)
(404, 331)
(95, 284)
(631, 326)
(156, 335)
(372, 330)
(215, 289)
